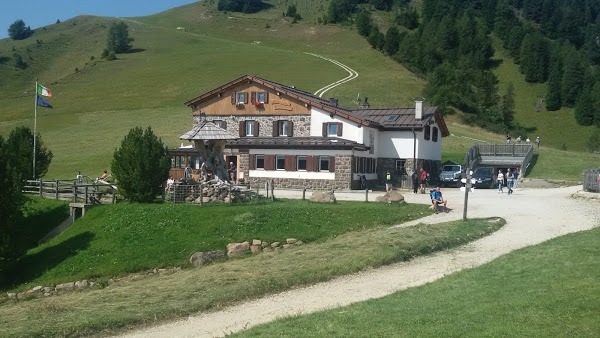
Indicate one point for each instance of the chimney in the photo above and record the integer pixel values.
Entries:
(333, 101)
(418, 109)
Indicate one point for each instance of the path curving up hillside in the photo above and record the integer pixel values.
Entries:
(352, 74)
(533, 216)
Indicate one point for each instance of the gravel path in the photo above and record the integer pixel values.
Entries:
(533, 216)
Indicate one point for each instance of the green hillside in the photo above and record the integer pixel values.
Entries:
(96, 102)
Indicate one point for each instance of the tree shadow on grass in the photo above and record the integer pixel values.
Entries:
(32, 266)
(135, 50)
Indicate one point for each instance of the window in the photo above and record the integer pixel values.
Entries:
(434, 135)
(283, 128)
(323, 163)
(301, 163)
(260, 162)
(332, 129)
(240, 97)
(261, 97)
(220, 123)
(250, 130)
(427, 132)
(280, 163)
(400, 166)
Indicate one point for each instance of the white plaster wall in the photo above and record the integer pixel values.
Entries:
(293, 174)
(350, 130)
(430, 150)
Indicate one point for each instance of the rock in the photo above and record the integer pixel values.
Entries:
(287, 246)
(37, 289)
(82, 284)
(21, 295)
(291, 241)
(267, 249)
(323, 197)
(48, 289)
(11, 295)
(274, 244)
(207, 257)
(237, 249)
(264, 244)
(299, 243)
(255, 249)
(66, 286)
(256, 242)
(392, 196)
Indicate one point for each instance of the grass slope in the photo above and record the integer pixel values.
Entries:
(115, 239)
(546, 290)
(160, 297)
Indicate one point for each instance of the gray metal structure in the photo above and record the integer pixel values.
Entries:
(500, 155)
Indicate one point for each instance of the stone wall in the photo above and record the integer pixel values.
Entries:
(342, 181)
(265, 129)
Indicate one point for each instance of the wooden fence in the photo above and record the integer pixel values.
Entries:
(71, 190)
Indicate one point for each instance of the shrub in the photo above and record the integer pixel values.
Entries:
(141, 165)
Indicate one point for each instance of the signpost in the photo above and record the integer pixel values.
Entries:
(468, 184)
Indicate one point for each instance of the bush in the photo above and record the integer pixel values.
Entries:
(111, 56)
(141, 165)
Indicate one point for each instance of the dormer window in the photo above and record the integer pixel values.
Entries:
(240, 98)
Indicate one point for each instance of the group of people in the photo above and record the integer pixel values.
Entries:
(419, 181)
(537, 140)
(509, 180)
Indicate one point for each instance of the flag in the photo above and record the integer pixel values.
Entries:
(41, 90)
(43, 103)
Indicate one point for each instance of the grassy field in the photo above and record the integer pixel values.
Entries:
(160, 297)
(548, 290)
(97, 102)
(112, 240)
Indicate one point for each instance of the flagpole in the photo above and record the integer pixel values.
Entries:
(34, 126)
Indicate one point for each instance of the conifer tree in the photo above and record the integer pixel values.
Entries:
(364, 23)
(584, 110)
(507, 106)
(572, 81)
(553, 98)
(118, 40)
(392, 41)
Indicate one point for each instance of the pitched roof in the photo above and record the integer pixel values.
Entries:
(206, 130)
(375, 118)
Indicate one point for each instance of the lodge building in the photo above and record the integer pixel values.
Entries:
(299, 140)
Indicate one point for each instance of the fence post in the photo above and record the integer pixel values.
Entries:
(366, 195)
(74, 193)
(272, 192)
(56, 189)
(303, 194)
(201, 193)
(230, 197)
(267, 188)
(86, 195)
(41, 187)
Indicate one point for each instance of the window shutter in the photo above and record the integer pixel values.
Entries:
(315, 163)
(324, 129)
(309, 161)
(242, 128)
(252, 162)
(224, 125)
(266, 97)
(340, 125)
(245, 97)
(290, 131)
(275, 128)
(269, 162)
(331, 164)
(252, 97)
(290, 163)
(233, 98)
(256, 132)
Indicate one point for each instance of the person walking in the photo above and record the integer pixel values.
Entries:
(423, 180)
(508, 138)
(415, 181)
(500, 180)
(509, 180)
(537, 141)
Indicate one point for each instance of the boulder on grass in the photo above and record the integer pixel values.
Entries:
(323, 197)
(391, 197)
(207, 257)
(237, 249)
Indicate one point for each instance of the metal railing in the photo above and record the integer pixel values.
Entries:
(524, 150)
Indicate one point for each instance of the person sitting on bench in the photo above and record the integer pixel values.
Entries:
(436, 199)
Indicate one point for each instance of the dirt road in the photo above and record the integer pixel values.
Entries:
(532, 215)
